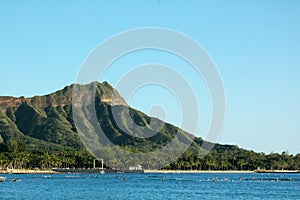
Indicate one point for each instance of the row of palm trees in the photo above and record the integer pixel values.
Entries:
(45, 160)
(234, 159)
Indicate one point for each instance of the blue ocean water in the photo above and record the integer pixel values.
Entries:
(151, 186)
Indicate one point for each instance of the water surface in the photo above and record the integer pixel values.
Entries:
(152, 186)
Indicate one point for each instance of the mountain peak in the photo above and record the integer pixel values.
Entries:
(64, 97)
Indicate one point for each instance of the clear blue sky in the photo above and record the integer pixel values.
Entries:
(255, 45)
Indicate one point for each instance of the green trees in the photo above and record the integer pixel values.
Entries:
(236, 159)
(15, 154)
(297, 161)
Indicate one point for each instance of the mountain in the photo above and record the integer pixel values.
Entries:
(49, 118)
(40, 131)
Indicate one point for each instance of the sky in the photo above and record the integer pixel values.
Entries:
(255, 46)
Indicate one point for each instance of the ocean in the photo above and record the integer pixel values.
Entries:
(152, 186)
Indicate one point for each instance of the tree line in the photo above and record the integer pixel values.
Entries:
(237, 160)
(15, 154)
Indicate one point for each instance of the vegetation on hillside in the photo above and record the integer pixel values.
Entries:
(40, 133)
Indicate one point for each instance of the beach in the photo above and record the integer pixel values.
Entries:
(196, 171)
(27, 171)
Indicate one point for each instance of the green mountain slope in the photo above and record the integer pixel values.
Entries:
(44, 127)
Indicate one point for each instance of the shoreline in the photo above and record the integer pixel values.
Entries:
(27, 171)
(220, 171)
(80, 171)
(199, 171)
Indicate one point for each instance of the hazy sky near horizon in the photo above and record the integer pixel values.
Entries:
(254, 44)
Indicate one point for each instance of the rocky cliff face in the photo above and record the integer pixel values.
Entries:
(49, 118)
(63, 97)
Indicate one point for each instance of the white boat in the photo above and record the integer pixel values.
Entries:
(2, 178)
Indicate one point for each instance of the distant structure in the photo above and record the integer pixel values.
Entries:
(94, 163)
